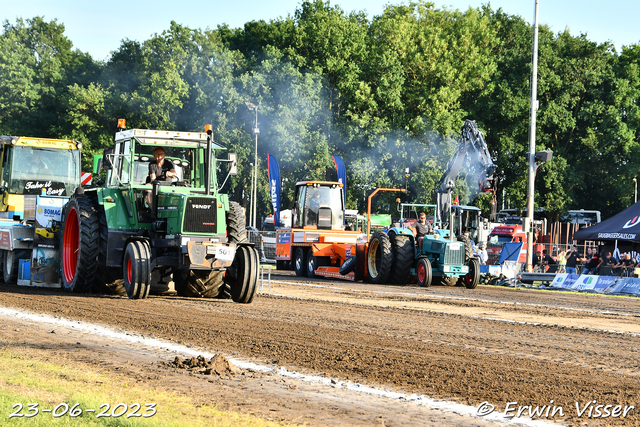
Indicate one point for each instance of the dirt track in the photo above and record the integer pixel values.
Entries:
(489, 344)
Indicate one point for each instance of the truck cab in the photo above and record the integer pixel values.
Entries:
(507, 234)
(36, 167)
(318, 204)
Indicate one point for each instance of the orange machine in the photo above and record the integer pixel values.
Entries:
(318, 242)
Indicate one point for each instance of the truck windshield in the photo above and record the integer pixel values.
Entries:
(499, 239)
(42, 171)
(324, 197)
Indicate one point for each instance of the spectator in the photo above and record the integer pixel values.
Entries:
(562, 262)
(484, 255)
(627, 265)
(607, 264)
(547, 261)
(572, 260)
(593, 261)
(535, 261)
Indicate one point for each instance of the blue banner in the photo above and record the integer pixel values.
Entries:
(274, 188)
(342, 175)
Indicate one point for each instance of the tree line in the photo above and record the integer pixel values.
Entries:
(385, 94)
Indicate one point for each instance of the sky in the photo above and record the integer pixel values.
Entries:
(98, 27)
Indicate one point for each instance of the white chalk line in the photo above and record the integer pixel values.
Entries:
(137, 338)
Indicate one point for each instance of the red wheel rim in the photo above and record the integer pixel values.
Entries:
(468, 278)
(422, 273)
(70, 245)
(129, 270)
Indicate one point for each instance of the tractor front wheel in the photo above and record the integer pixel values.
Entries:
(424, 273)
(136, 269)
(472, 278)
(242, 276)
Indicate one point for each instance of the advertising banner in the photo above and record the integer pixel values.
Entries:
(342, 175)
(564, 281)
(274, 187)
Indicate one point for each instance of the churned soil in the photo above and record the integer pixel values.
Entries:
(491, 344)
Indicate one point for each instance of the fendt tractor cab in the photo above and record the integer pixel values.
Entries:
(149, 233)
(38, 176)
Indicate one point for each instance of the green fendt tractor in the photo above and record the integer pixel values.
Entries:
(148, 233)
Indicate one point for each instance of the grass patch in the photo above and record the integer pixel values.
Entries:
(27, 377)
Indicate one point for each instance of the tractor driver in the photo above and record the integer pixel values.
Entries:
(162, 171)
(37, 166)
(314, 207)
(421, 228)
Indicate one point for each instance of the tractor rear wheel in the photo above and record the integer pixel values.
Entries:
(198, 283)
(80, 243)
(242, 276)
(136, 269)
(379, 258)
(300, 262)
(468, 248)
(472, 278)
(424, 272)
(109, 279)
(11, 264)
(403, 257)
(236, 231)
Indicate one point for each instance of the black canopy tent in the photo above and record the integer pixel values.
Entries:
(624, 226)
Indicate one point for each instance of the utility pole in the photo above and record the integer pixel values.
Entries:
(532, 141)
(254, 190)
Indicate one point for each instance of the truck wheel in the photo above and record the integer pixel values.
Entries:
(300, 262)
(403, 257)
(242, 276)
(312, 264)
(236, 223)
(136, 270)
(11, 264)
(424, 273)
(379, 258)
(472, 278)
(80, 237)
(198, 283)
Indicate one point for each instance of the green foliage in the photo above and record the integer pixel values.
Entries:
(385, 95)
